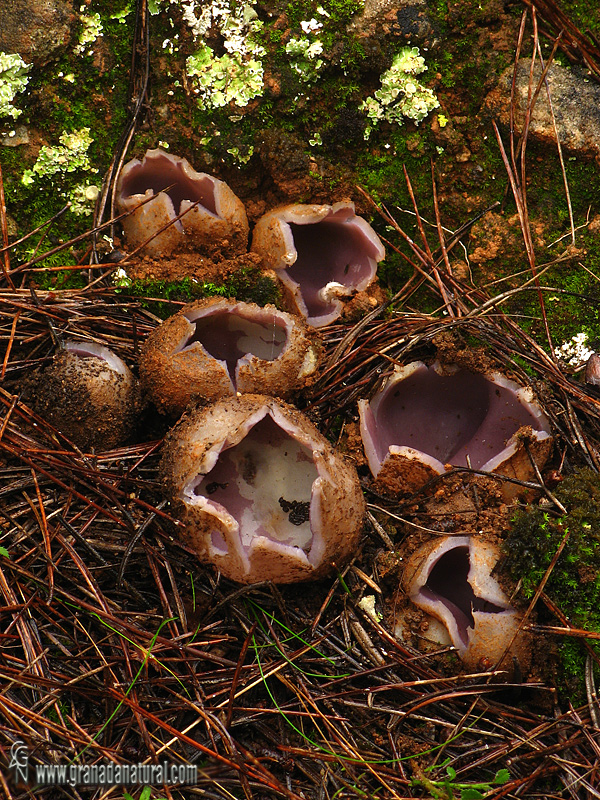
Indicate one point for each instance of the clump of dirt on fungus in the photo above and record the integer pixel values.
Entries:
(92, 405)
(451, 348)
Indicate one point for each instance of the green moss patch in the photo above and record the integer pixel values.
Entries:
(574, 584)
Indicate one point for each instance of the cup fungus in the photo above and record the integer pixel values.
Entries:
(261, 493)
(451, 579)
(592, 370)
(322, 254)
(216, 347)
(424, 418)
(217, 220)
(89, 394)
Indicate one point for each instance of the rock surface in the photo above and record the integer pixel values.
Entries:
(36, 29)
(575, 103)
(405, 22)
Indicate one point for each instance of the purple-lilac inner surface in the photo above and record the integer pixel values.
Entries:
(329, 251)
(449, 417)
(229, 336)
(83, 353)
(163, 174)
(448, 584)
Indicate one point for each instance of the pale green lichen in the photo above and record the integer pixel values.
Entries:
(83, 199)
(13, 79)
(304, 53)
(401, 96)
(219, 81)
(240, 157)
(70, 156)
(237, 75)
(121, 16)
(92, 30)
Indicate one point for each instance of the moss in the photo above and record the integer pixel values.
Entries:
(324, 109)
(339, 14)
(60, 279)
(81, 90)
(162, 297)
(250, 285)
(380, 167)
(159, 296)
(574, 584)
(579, 310)
(584, 13)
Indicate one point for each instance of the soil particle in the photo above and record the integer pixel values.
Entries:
(452, 350)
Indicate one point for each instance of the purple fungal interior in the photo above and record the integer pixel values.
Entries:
(231, 335)
(448, 417)
(265, 483)
(331, 251)
(163, 173)
(448, 584)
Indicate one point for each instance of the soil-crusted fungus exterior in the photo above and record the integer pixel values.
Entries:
(424, 419)
(217, 347)
(451, 579)
(261, 493)
(216, 222)
(89, 394)
(322, 254)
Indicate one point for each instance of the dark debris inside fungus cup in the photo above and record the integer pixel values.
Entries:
(261, 493)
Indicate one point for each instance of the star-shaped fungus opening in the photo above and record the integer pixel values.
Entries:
(451, 579)
(217, 347)
(158, 189)
(234, 335)
(261, 493)
(448, 585)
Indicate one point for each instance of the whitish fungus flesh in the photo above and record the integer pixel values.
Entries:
(214, 218)
(261, 493)
(89, 394)
(216, 347)
(425, 418)
(451, 579)
(322, 254)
